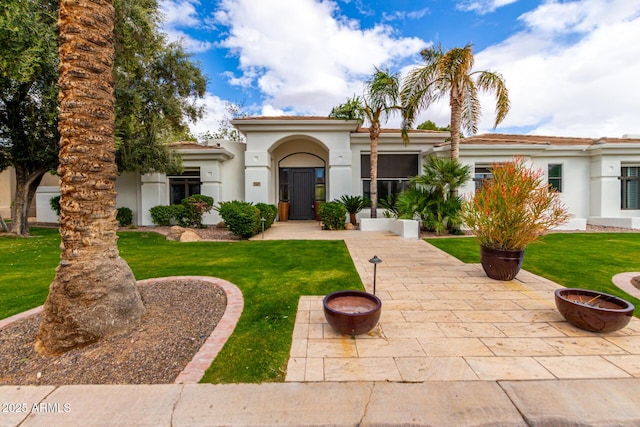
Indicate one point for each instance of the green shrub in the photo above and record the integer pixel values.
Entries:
(124, 216)
(193, 208)
(163, 215)
(332, 215)
(242, 218)
(268, 212)
(54, 202)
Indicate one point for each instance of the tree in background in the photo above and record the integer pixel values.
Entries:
(226, 130)
(430, 125)
(380, 101)
(450, 74)
(28, 98)
(156, 86)
(94, 292)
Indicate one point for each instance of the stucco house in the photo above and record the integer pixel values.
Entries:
(304, 160)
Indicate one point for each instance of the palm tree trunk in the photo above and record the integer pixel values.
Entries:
(374, 132)
(456, 114)
(94, 292)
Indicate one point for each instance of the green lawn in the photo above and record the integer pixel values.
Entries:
(573, 260)
(271, 275)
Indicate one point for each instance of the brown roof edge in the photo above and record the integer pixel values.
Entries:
(394, 130)
(498, 138)
(286, 118)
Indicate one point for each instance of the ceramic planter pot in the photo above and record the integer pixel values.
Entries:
(500, 264)
(352, 312)
(593, 311)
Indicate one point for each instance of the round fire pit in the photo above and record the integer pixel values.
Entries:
(593, 311)
(352, 312)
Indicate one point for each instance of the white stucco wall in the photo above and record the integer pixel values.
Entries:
(129, 189)
(575, 174)
(44, 213)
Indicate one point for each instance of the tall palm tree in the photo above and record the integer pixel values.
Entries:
(380, 101)
(451, 74)
(94, 291)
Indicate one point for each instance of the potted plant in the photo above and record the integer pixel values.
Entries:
(509, 211)
(353, 204)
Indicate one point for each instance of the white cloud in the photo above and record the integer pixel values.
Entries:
(304, 54)
(482, 7)
(179, 15)
(404, 15)
(573, 71)
(216, 111)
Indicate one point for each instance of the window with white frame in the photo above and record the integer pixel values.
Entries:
(630, 187)
(394, 171)
(481, 173)
(555, 177)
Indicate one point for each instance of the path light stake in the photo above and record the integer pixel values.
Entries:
(375, 261)
(262, 220)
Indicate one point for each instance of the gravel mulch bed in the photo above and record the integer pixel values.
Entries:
(180, 315)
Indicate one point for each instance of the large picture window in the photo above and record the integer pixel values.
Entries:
(183, 186)
(394, 171)
(630, 187)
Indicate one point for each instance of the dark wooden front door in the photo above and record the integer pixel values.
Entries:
(302, 193)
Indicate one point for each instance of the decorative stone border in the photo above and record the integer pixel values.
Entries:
(623, 281)
(195, 369)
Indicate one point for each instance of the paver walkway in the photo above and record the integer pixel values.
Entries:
(444, 320)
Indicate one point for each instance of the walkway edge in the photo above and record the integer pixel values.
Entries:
(460, 403)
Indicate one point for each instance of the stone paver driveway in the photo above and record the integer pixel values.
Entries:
(445, 320)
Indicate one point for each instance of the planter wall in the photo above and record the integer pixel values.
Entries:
(402, 227)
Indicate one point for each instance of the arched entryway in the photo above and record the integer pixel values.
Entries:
(302, 184)
(301, 176)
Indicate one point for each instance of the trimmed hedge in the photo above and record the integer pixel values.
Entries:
(124, 216)
(332, 215)
(187, 214)
(242, 218)
(164, 215)
(268, 212)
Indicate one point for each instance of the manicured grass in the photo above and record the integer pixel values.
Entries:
(271, 275)
(573, 260)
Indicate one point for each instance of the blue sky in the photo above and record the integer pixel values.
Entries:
(572, 67)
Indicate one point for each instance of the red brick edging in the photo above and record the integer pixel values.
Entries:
(195, 369)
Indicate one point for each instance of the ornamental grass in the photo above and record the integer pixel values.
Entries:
(514, 208)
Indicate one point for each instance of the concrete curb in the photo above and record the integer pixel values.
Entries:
(455, 403)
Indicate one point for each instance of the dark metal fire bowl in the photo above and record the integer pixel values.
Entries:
(593, 311)
(352, 312)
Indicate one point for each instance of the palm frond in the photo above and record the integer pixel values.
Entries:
(494, 82)
(471, 108)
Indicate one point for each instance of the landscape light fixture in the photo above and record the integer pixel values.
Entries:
(375, 261)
